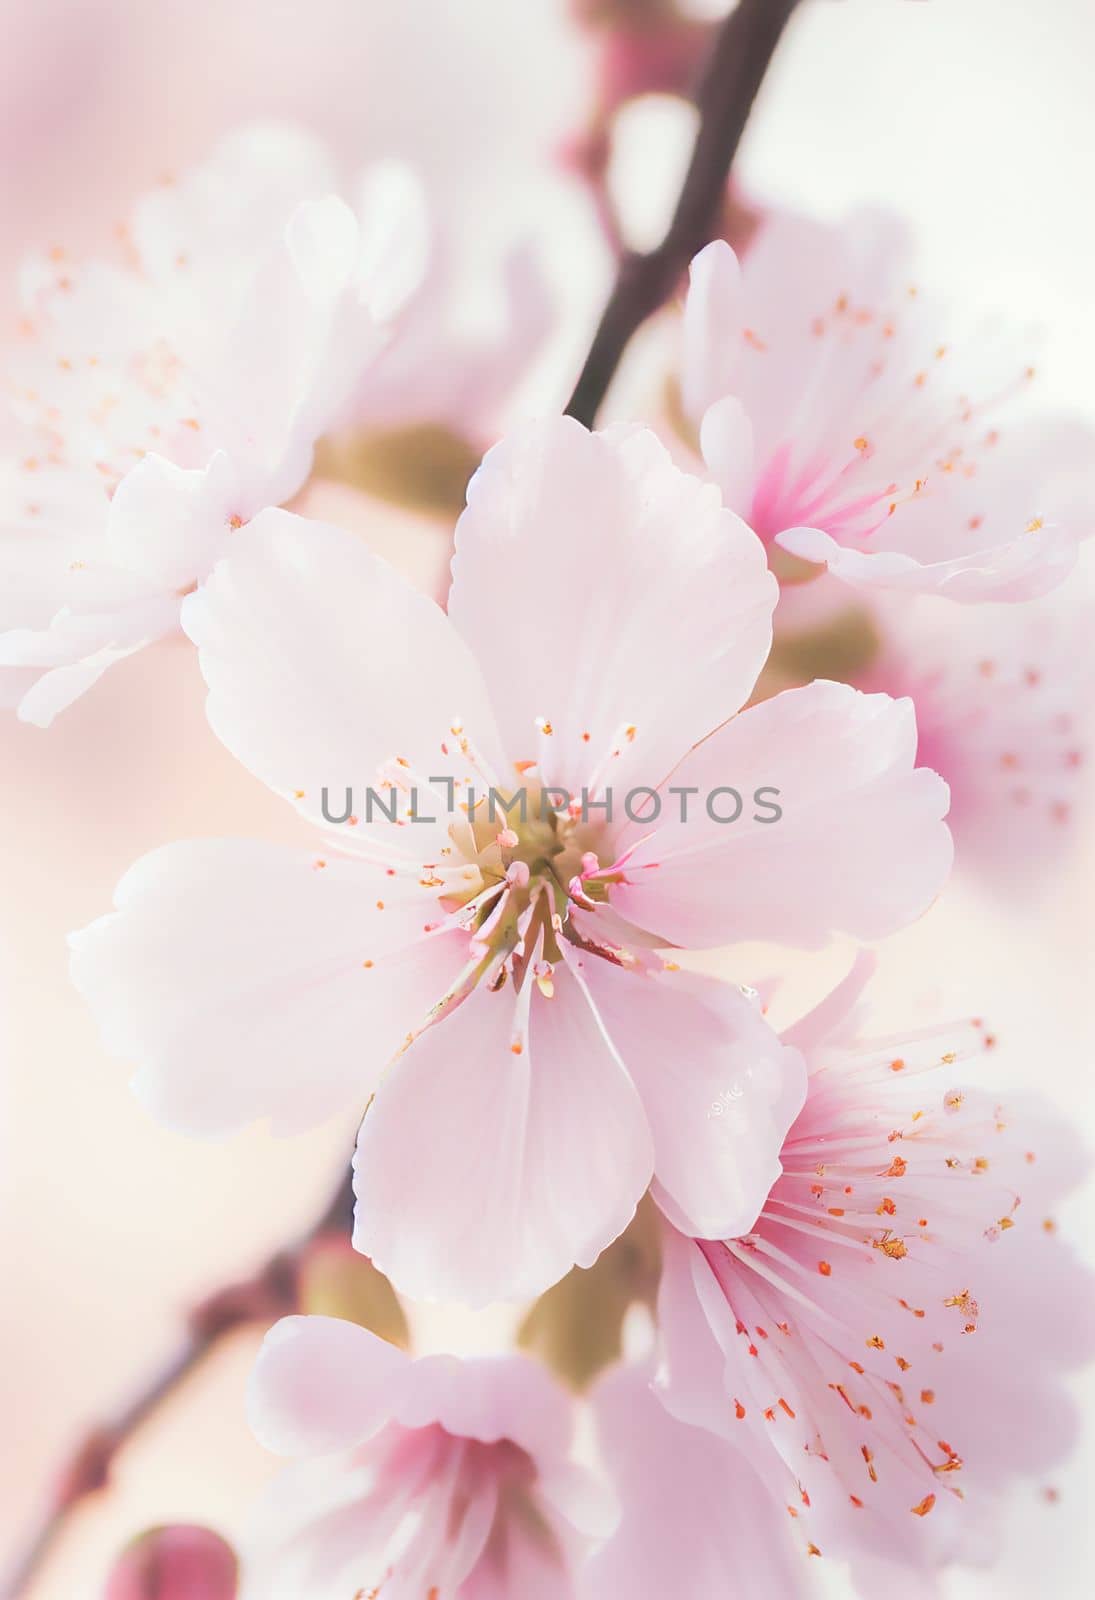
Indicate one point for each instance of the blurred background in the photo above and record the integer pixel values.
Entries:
(973, 117)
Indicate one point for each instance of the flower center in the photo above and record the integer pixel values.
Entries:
(533, 865)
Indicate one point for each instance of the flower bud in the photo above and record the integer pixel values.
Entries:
(182, 1562)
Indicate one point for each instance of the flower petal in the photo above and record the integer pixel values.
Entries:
(323, 662)
(719, 1089)
(247, 980)
(860, 846)
(726, 438)
(171, 523)
(320, 1384)
(697, 1519)
(712, 327)
(395, 237)
(484, 1174)
(489, 1398)
(610, 594)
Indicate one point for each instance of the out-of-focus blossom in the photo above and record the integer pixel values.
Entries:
(175, 1563)
(159, 402)
(437, 1477)
(502, 954)
(436, 371)
(695, 1521)
(101, 101)
(849, 428)
(892, 1332)
(1003, 700)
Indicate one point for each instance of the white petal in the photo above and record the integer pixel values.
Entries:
(320, 1384)
(860, 846)
(482, 1174)
(323, 662)
(611, 594)
(719, 1089)
(234, 975)
(712, 329)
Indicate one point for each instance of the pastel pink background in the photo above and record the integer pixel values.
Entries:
(973, 116)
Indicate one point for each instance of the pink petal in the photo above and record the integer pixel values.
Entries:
(289, 359)
(697, 1520)
(712, 328)
(395, 237)
(323, 662)
(610, 594)
(320, 1384)
(169, 523)
(726, 438)
(483, 1174)
(719, 1089)
(1023, 566)
(245, 191)
(489, 1398)
(860, 848)
(691, 1381)
(76, 649)
(1001, 697)
(234, 975)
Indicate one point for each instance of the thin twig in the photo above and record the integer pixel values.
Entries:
(269, 1293)
(740, 57)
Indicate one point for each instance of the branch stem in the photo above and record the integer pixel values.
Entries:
(268, 1293)
(739, 59)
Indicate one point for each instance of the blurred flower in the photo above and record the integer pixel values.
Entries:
(161, 401)
(696, 1520)
(1003, 698)
(569, 1057)
(99, 103)
(175, 1563)
(1003, 706)
(437, 371)
(438, 1477)
(883, 1330)
(846, 426)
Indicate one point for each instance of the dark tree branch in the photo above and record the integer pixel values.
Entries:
(740, 57)
(269, 1293)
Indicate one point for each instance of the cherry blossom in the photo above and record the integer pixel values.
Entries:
(437, 1477)
(545, 1051)
(1003, 700)
(878, 1342)
(849, 427)
(159, 401)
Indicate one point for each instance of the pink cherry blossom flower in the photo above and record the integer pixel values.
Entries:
(696, 1520)
(893, 1328)
(1003, 707)
(159, 402)
(433, 1478)
(848, 427)
(546, 1055)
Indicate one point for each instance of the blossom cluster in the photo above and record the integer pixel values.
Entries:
(820, 589)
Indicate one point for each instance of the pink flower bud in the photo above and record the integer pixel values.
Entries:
(662, 58)
(176, 1563)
